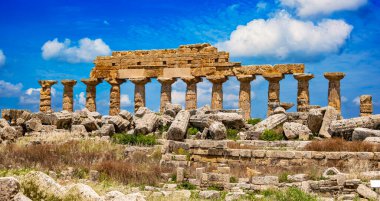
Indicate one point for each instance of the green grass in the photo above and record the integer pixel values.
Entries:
(233, 180)
(254, 121)
(290, 194)
(283, 177)
(215, 187)
(232, 134)
(163, 129)
(270, 135)
(187, 186)
(192, 131)
(139, 139)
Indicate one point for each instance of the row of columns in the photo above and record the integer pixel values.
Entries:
(303, 100)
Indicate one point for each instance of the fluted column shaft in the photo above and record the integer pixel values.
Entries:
(334, 98)
(191, 92)
(45, 94)
(273, 90)
(68, 93)
(245, 95)
(303, 98)
(115, 95)
(166, 91)
(217, 92)
(91, 93)
(140, 100)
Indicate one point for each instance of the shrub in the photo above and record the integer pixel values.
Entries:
(187, 185)
(215, 187)
(271, 135)
(290, 194)
(182, 151)
(138, 139)
(338, 144)
(253, 121)
(163, 128)
(192, 131)
(232, 134)
(233, 180)
(283, 177)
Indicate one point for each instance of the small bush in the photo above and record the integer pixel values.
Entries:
(192, 131)
(163, 129)
(233, 180)
(270, 135)
(232, 134)
(138, 139)
(182, 151)
(338, 144)
(253, 121)
(187, 185)
(283, 177)
(290, 194)
(215, 187)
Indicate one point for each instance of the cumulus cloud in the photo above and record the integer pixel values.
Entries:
(307, 8)
(86, 51)
(81, 100)
(232, 100)
(344, 99)
(125, 101)
(178, 97)
(31, 96)
(8, 89)
(283, 36)
(356, 100)
(2, 58)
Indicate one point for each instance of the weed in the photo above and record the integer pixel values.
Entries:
(233, 180)
(139, 139)
(192, 131)
(232, 134)
(271, 135)
(254, 121)
(215, 187)
(283, 177)
(187, 185)
(290, 194)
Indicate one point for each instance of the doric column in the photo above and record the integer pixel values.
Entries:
(166, 91)
(334, 89)
(366, 108)
(191, 92)
(217, 91)
(91, 93)
(303, 98)
(139, 91)
(273, 90)
(68, 101)
(115, 95)
(245, 94)
(45, 95)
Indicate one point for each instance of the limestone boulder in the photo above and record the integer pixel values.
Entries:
(217, 131)
(9, 187)
(107, 130)
(21, 197)
(172, 109)
(33, 124)
(147, 123)
(178, 128)
(78, 117)
(296, 130)
(90, 124)
(346, 127)
(209, 194)
(372, 140)
(142, 111)
(203, 110)
(3, 123)
(363, 133)
(120, 124)
(115, 196)
(44, 186)
(279, 110)
(8, 133)
(331, 115)
(314, 120)
(366, 192)
(79, 130)
(229, 119)
(126, 115)
(81, 192)
(270, 123)
(62, 119)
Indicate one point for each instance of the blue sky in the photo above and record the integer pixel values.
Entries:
(59, 39)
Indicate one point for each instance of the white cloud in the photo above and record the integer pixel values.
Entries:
(86, 51)
(2, 58)
(8, 89)
(32, 96)
(106, 22)
(178, 97)
(232, 100)
(356, 100)
(283, 36)
(344, 99)
(307, 8)
(81, 100)
(125, 101)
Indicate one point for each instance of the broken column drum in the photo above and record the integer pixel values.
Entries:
(45, 94)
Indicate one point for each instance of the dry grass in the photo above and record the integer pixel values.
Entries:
(338, 144)
(83, 156)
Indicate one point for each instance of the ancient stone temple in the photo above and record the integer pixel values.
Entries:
(189, 63)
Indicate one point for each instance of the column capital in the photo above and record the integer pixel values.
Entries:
(114, 81)
(273, 76)
(91, 81)
(47, 83)
(334, 76)
(139, 80)
(246, 78)
(69, 82)
(191, 79)
(217, 79)
(303, 76)
(166, 80)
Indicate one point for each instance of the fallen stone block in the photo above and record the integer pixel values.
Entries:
(81, 192)
(90, 124)
(209, 194)
(270, 123)
(79, 130)
(107, 130)
(8, 133)
(362, 133)
(265, 180)
(9, 187)
(62, 120)
(178, 128)
(42, 185)
(366, 192)
(33, 124)
(314, 120)
(120, 124)
(346, 127)
(296, 130)
(147, 123)
(217, 131)
(331, 115)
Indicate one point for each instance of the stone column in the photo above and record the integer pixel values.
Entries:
(217, 91)
(166, 91)
(366, 108)
(334, 89)
(45, 95)
(91, 93)
(245, 95)
(191, 92)
(303, 98)
(140, 91)
(115, 95)
(68, 101)
(273, 90)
